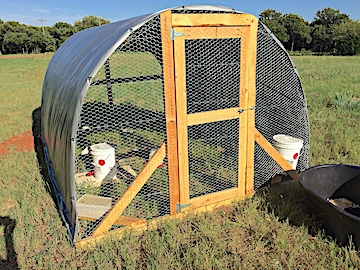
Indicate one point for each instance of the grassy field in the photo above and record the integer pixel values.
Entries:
(270, 231)
(332, 88)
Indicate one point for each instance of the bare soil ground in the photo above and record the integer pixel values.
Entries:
(19, 143)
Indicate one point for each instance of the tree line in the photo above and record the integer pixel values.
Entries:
(331, 32)
(20, 38)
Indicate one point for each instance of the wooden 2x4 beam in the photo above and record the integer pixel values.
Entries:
(170, 109)
(263, 142)
(211, 19)
(251, 86)
(212, 116)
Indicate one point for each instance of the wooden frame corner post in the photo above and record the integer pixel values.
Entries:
(170, 109)
(251, 86)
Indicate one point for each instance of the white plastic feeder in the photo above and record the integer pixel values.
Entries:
(289, 147)
(103, 160)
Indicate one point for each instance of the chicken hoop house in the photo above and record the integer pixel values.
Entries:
(172, 94)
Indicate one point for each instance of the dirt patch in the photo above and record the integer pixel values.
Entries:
(19, 143)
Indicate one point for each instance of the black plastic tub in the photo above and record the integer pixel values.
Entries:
(326, 183)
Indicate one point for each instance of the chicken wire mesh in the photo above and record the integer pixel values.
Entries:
(212, 65)
(280, 104)
(124, 108)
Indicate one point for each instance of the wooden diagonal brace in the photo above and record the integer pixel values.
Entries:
(130, 193)
(263, 142)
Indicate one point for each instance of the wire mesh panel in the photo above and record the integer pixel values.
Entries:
(212, 63)
(124, 109)
(212, 74)
(213, 157)
(280, 104)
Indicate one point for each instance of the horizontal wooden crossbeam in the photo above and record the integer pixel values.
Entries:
(211, 19)
(122, 220)
(212, 116)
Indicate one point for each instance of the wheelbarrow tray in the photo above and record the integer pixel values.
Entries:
(324, 182)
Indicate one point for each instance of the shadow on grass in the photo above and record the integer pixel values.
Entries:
(287, 202)
(38, 148)
(11, 260)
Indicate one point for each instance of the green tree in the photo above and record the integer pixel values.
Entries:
(19, 38)
(323, 33)
(15, 42)
(319, 34)
(40, 43)
(347, 37)
(299, 31)
(273, 19)
(89, 21)
(60, 32)
(14, 37)
(1, 36)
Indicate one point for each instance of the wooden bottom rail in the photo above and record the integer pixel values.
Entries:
(122, 220)
(91, 241)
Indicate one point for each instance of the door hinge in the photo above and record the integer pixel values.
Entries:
(241, 110)
(174, 34)
(180, 206)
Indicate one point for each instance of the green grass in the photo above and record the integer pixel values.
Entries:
(20, 91)
(270, 231)
(332, 88)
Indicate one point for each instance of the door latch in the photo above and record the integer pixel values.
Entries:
(241, 110)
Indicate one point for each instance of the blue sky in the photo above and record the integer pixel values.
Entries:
(29, 11)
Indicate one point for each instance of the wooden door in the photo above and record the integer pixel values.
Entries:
(214, 63)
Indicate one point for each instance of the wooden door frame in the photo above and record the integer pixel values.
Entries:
(245, 24)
